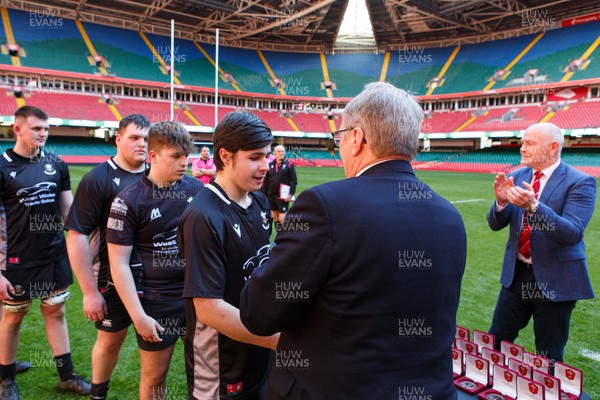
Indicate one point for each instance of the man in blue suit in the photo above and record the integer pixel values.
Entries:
(544, 270)
(364, 280)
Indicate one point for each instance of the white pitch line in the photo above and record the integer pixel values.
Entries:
(592, 355)
(466, 201)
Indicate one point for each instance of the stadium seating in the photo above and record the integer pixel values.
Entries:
(507, 118)
(584, 114)
(126, 51)
(49, 47)
(59, 104)
(351, 72)
(154, 110)
(300, 73)
(311, 122)
(447, 121)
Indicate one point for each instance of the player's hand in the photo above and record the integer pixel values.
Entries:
(521, 197)
(148, 329)
(94, 306)
(6, 289)
(501, 186)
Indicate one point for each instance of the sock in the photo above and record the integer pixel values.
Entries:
(8, 371)
(64, 366)
(99, 390)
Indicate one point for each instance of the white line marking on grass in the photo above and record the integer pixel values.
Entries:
(466, 201)
(592, 355)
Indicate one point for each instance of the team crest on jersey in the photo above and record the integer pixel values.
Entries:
(13, 174)
(49, 169)
(265, 220)
(19, 291)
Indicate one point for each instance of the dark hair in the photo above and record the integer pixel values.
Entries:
(31, 111)
(138, 120)
(170, 134)
(239, 131)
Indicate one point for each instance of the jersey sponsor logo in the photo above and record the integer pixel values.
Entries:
(265, 220)
(261, 257)
(155, 213)
(38, 188)
(165, 239)
(237, 229)
(49, 169)
(117, 181)
(14, 260)
(115, 224)
(118, 206)
(13, 174)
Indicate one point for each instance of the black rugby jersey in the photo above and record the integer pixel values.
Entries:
(31, 227)
(90, 209)
(222, 244)
(146, 217)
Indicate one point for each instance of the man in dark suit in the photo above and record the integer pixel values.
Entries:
(364, 280)
(544, 270)
(281, 172)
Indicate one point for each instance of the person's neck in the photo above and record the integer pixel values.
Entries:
(122, 163)
(158, 182)
(367, 162)
(25, 151)
(241, 197)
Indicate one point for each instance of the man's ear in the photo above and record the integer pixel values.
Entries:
(152, 156)
(357, 136)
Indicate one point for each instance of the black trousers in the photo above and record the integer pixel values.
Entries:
(526, 298)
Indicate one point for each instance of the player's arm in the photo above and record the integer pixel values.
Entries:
(65, 200)
(196, 171)
(80, 256)
(293, 179)
(145, 325)
(212, 171)
(225, 318)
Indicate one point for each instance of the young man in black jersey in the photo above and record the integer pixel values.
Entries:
(35, 196)
(224, 234)
(86, 244)
(144, 258)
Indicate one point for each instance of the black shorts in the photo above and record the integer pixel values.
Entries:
(117, 317)
(279, 205)
(170, 314)
(40, 281)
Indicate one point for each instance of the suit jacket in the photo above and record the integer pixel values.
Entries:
(364, 283)
(557, 247)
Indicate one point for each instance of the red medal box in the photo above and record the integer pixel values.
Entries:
(494, 357)
(512, 350)
(483, 339)
(458, 367)
(551, 384)
(520, 367)
(537, 362)
(528, 389)
(571, 380)
(467, 347)
(476, 377)
(505, 385)
(462, 333)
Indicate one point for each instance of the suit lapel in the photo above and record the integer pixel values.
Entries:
(555, 180)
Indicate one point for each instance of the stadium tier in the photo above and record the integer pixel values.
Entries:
(70, 106)
(507, 118)
(131, 54)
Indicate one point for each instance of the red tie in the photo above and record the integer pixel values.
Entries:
(524, 238)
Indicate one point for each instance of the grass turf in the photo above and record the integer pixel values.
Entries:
(480, 288)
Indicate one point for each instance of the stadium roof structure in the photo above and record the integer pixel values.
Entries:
(312, 26)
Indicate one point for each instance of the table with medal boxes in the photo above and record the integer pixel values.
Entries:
(511, 373)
